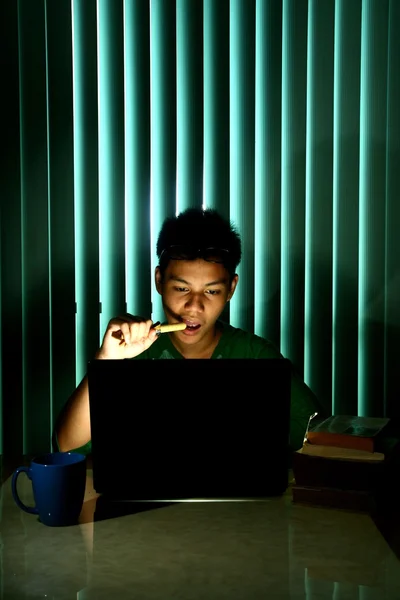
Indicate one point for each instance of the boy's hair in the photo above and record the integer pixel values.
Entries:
(200, 230)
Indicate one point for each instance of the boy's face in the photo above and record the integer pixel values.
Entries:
(195, 292)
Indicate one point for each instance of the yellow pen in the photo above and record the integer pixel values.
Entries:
(170, 327)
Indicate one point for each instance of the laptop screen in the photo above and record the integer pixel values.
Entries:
(183, 429)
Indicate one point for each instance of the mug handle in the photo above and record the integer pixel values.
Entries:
(29, 509)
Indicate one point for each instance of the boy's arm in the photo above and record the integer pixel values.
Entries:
(125, 337)
(304, 403)
(72, 430)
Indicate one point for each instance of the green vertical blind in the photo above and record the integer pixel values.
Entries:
(372, 213)
(345, 239)
(86, 182)
(318, 196)
(163, 127)
(290, 195)
(267, 165)
(137, 156)
(282, 114)
(241, 150)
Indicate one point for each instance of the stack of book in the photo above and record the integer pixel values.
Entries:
(347, 462)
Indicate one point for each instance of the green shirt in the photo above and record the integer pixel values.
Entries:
(236, 343)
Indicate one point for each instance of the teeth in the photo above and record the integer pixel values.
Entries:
(191, 324)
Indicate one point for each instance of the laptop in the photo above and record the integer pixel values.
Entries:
(175, 430)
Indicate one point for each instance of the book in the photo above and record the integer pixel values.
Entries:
(330, 472)
(334, 467)
(348, 431)
(340, 453)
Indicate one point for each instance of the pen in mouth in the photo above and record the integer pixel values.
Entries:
(170, 327)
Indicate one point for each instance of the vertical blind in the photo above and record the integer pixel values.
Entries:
(282, 114)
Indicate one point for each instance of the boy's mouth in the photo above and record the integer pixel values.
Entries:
(191, 326)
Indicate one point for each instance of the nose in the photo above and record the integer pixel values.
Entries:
(195, 302)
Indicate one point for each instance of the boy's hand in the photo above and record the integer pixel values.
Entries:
(126, 337)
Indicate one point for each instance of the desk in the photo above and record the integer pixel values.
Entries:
(272, 549)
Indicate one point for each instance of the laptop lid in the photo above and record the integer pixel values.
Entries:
(167, 430)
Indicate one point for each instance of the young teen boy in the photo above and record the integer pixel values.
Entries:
(198, 253)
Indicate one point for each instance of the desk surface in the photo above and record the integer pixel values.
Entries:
(224, 550)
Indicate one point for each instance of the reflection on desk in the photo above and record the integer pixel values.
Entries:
(267, 549)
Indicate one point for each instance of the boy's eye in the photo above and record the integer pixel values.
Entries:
(213, 292)
(181, 289)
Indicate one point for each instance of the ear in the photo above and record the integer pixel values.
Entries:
(234, 283)
(158, 280)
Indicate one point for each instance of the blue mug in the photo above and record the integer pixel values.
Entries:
(58, 481)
